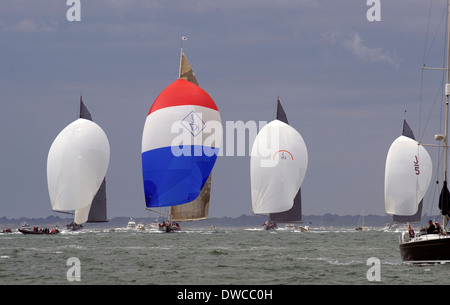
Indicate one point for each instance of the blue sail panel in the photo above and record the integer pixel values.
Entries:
(172, 180)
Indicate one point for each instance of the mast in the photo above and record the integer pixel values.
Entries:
(447, 93)
(444, 194)
(181, 60)
(181, 55)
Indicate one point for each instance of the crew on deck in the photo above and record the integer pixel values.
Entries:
(431, 229)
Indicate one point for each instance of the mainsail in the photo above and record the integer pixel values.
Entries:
(278, 166)
(76, 167)
(180, 143)
(407, 176)
(186, 71)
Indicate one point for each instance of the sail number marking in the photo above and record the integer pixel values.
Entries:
(416, 166)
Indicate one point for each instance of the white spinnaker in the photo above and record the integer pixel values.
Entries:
(77, 163)
(279, 159)
(407, 176)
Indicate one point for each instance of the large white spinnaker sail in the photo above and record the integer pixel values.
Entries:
(76, 166)
(407, 176)
(279, 160)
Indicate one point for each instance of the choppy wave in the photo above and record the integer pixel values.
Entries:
(204, 256)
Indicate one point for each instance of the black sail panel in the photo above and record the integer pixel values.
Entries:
(97, 213)
(292, 215)
(84, 112)
(406, 131)
(281, 115)
(414, 218)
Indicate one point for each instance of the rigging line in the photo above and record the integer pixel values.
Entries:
(420, 107)
(438, 92)
(424, 60)
(427, 32)
(444, 12)
(440, 89)
(157, 212)
(422, 71)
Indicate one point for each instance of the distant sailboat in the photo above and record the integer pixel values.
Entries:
(360, 226)
(76, 168)
(180, 144)
(279, 160)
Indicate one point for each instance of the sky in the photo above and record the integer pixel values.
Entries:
(344, 82)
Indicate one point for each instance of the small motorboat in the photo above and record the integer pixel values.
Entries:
(131, 224)
(154, 225)
(35, 231)
(304, 228)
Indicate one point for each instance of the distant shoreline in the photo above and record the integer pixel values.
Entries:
(326, 220)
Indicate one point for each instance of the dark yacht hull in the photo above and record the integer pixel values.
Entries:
(427, 250)
(31, 232)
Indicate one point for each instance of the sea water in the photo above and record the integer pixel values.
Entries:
(229, 256)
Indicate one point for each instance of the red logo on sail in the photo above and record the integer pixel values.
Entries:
(283, 154)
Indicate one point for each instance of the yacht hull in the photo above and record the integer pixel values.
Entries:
(435, 249)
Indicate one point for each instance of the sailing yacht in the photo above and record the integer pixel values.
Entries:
(360, 226)
(397, 197)
(278, 165)
(408, 171)
(180, 143)
(77, 163)
(293, 215)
